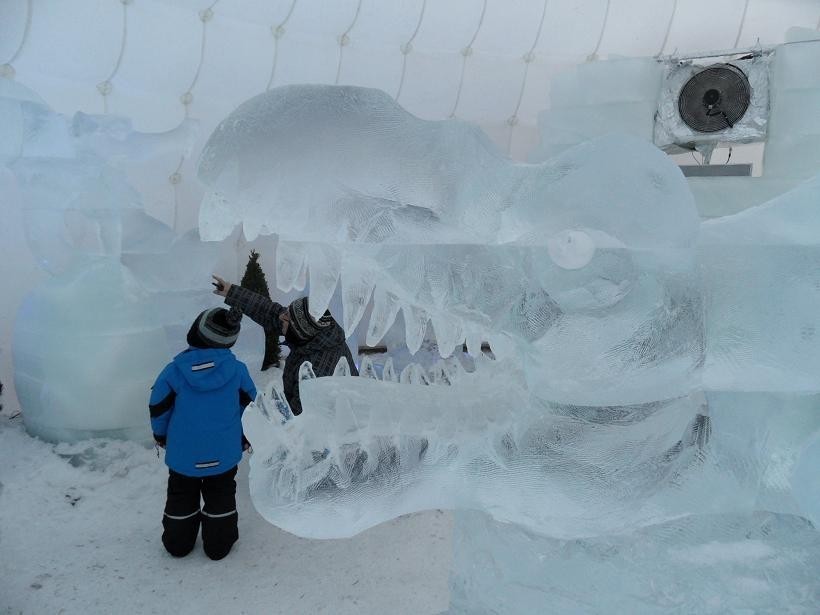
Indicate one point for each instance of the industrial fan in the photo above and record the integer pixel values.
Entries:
(715, 98)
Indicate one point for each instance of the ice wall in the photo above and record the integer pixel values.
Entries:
(621, 95)
(600, 98)
(760, 562)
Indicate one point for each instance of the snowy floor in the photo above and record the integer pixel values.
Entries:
(80, 528)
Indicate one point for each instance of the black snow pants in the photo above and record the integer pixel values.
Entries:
(183, 516)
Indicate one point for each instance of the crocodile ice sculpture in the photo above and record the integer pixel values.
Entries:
(613, 334)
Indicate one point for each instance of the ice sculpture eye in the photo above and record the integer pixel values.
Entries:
(571, 249)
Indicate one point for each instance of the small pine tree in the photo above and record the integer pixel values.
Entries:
(254, 279)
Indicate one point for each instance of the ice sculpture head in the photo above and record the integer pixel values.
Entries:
(577, 271)
(331, 164)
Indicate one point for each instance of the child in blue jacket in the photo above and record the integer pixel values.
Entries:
(196, 410)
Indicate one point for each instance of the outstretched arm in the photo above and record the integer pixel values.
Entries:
(260, 309)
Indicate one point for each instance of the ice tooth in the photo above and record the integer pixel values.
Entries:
(455, 370)
(358, 280)
(367, 369)
(280, 402)
(473, 340)
(263, 400)
(324, 264)
(414, 374)
(306, 371)
(290, 263)
(389, 372)
(385, 308)
(415, 323)
(405, 375)
(449, 333)
(301, 278)
(342, 367)
(439, 374)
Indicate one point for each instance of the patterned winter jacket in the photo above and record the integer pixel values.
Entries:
(196, 406)
(323, 350)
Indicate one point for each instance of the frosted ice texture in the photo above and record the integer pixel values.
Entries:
(713, 564)
(616, 412)
(87, 345)
(89, 340)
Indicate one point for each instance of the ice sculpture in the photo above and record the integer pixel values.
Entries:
(606, 313)
(89, 340)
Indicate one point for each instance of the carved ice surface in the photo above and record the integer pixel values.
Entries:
(89, 340)
(606, 309)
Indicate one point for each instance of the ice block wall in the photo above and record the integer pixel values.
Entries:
(620, 96)
(600, 98)
(757, 563)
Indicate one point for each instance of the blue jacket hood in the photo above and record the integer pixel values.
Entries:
(206, 369)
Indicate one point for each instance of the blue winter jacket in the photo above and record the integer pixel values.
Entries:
(197, 404)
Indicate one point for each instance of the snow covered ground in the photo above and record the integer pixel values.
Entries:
(80, 533)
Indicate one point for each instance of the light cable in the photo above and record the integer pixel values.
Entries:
(7, 69)
(105, 86)
(407, 47)
(528, 59)
(343, 39)
(278, 32)
(466, 52)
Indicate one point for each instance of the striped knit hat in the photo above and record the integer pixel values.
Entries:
(303, 326)
(215, 328)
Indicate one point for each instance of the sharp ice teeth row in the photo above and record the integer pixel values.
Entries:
(444, 372)
(360, 281)
(414, 374)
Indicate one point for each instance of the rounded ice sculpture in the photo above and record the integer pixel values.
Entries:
(86, 350)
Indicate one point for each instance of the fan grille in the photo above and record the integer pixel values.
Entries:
(715, 98)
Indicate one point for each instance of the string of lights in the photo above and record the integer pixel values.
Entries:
(105, 86)
(407, 47)
(278, 31)
(528, 58)
(466, 52)
(7, 69)
(594, 55)
(205, 16)
(175, 178)
(668, 28)
(742, 22)
(421, 18)
(344, 39)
